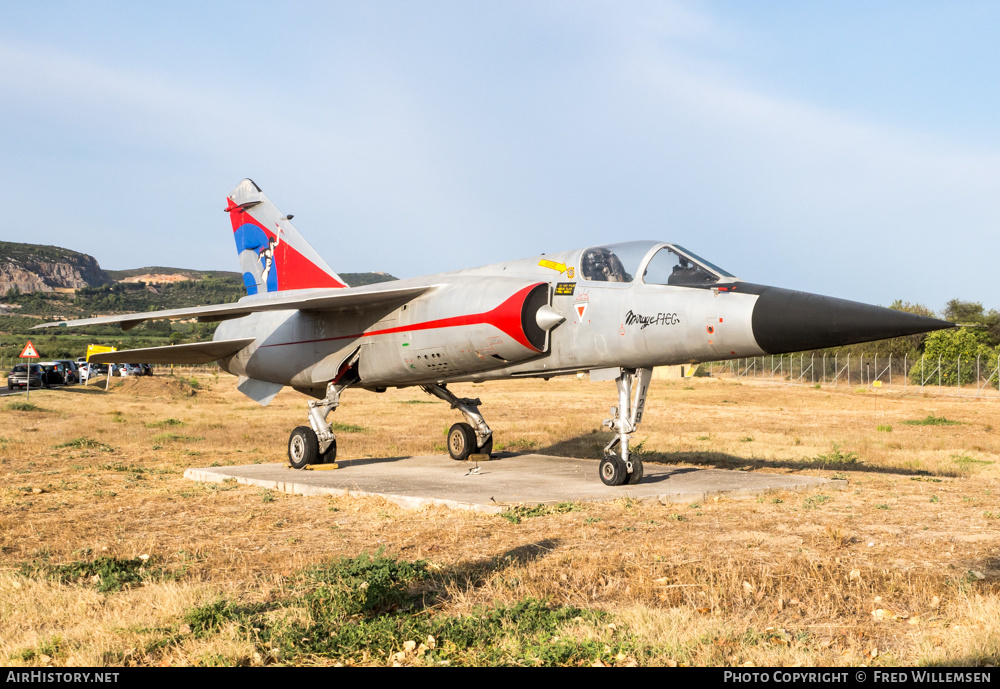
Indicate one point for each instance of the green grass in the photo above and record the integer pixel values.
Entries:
(835, 458)
(107, 574)
(813, 502)
(885, 428)
(376, 609)
(164, 423)
(85, 444)
(517, 514)
(175, 438)
(932, 420)
(967, 462)
(23, 406)
(347, 428)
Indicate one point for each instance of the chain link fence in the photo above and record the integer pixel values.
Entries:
(962, 377)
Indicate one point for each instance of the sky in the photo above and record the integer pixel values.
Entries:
(844, 148)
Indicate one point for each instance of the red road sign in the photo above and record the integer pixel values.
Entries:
(29, 351)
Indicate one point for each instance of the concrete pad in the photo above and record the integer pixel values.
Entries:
(413, 482)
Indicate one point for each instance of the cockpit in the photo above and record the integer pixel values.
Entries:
(669, 264)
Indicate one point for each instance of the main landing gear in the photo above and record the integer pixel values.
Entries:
(464, 439)
(622, 468)
(316, 443)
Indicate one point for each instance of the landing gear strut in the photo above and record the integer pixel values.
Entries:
(622, 468)
(469, 438)
(316, 443)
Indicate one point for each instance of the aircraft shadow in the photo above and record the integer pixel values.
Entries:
(592, 446)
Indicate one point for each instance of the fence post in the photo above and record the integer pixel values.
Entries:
(939, 373)
(906, 374)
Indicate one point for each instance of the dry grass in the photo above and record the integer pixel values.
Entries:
(902, 568)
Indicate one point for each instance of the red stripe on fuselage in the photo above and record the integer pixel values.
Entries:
(506, 317)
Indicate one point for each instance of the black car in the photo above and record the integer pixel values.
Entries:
(18, 376)
(53, 373)
(72, 370)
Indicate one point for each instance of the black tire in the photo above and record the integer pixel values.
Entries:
(612, 471)
(487, 447)
(461, 441)
(330, 456)
(637, 473)
(303, 447)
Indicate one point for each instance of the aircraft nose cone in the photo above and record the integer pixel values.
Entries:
(788, 321)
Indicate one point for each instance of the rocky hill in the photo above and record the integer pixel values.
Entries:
(36, 268)
(27, 268)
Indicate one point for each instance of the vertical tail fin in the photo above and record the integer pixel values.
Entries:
(273, 255)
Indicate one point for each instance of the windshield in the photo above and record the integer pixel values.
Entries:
(614, 262)
(669, 266)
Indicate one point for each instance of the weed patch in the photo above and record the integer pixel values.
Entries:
(86, 444)
(517, 514)
(176, 438)
(835, 458)
(164, 423)
(108, 574)
(23, 406)
(932, 420)
(373, 608)
(814, 501)
(348, 428)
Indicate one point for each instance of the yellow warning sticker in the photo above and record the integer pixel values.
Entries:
(560, 267)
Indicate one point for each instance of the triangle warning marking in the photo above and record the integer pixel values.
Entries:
(29, 351)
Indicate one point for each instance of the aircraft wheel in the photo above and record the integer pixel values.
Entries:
(487, 448)
(330, 456)
(637, 472)
(461, 441)
(303, 447)
(612, 470)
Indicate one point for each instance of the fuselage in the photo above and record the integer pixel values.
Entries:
(480, 324)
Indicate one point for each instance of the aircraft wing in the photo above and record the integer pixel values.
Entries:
(337, 300)
(195, 353)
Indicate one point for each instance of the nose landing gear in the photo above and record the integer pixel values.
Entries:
(620, 469)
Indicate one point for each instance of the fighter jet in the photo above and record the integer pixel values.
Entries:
(614, 311)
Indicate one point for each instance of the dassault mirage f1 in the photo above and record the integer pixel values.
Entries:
(615, 311)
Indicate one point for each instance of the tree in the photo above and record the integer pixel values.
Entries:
(956, 350)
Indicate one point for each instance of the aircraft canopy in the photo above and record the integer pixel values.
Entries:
(670, 264)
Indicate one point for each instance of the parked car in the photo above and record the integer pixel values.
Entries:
(147, 370)
(72, 370)
(102, 369)
(19, 376)
(54, 373)
(130, 370)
